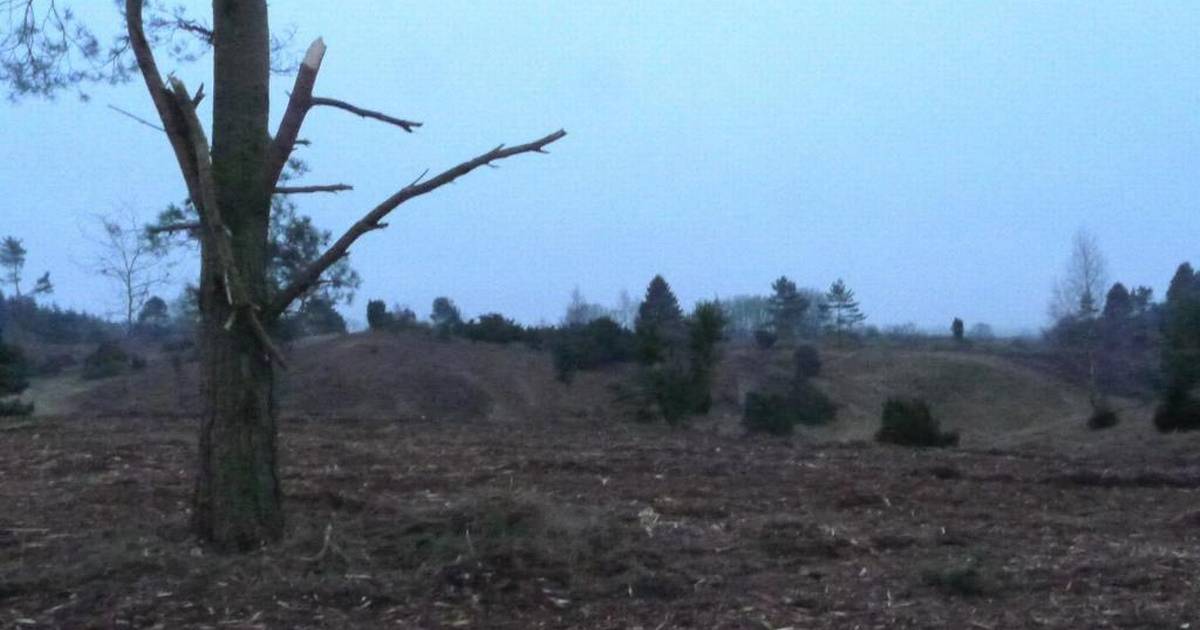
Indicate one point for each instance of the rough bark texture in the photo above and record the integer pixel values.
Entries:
(237, 502)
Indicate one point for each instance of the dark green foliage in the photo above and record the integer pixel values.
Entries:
(446, 318)
(154, 320)
(590, 346)
(787, 309)
(767, 413)
(779, 413)
(493, 328)
(957, 329)
(706, 329)
(108, 360)
(1103, 418)
(790, 401)
(659, 326)
(807, 361)
(14, 369)
(765, 339)
(908, 422)
(50, 324)
(962, 581)
(1181, 332)
(841, 310)
(12, 408)
(1179, 411)
(672, 394)
(378, 317)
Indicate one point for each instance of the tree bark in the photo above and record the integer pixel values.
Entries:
(237, 503)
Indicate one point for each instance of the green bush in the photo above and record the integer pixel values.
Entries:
(807, 362)
(11, 408)
(589, 346)
(908, 422)
(779, 413)
(493, 328)
(767, 413)
(14, 370)
(1179, 412)
(107, 361)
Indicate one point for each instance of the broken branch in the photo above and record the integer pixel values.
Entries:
(297, 108)
(371, 221)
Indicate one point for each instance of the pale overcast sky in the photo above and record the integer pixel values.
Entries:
(937, 155)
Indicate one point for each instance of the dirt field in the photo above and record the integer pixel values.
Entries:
(599, 525)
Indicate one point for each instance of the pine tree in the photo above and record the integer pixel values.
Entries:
(957, 329)
(787, 309)
(659, 324)
(842, 310)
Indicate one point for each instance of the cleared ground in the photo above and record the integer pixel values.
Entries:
(600, 525)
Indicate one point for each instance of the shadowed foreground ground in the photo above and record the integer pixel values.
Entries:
(494, 525)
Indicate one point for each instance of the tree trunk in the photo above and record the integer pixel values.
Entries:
(237, 501)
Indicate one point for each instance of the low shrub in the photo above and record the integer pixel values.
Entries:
(908, 422)
(765, 339)
(589, 346)
(55, 364)
(108, 360)
(1103, 418)
(807, 362)
(12, 408)
(962, 581)
(1179, 412)
(493, 328)
(779, 413)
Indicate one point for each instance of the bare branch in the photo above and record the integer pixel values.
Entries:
(295, 190)
(136, 117)
(371, 221)
(406, 125)
(297, 108)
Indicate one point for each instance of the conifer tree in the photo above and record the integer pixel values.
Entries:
(659, 324)
(842, 310)
(787, 309)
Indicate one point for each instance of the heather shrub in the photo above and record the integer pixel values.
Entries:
(108, 360)
(1178, 412)
(807, 362)
(13, 408)
(778, 413)
(1103, 418)
(493, 328)
(908, 422)
(589, 346)
(765, 339)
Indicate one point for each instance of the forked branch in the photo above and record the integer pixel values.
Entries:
(299, 104)
(371, 221)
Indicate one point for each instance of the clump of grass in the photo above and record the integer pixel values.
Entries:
(963, 580)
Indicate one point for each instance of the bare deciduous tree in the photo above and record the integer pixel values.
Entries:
(131, 260)
(237, 503)
(1077, 294)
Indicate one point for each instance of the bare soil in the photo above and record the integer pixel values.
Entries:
(591, 524)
